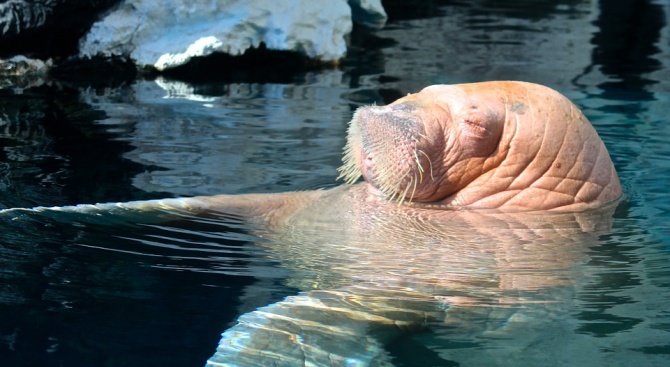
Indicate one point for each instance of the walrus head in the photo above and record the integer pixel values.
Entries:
(483, 145)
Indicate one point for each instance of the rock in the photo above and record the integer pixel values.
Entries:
(168, 33)
(17, 16)
(46, 29)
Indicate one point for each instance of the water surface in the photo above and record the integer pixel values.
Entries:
(113, 291)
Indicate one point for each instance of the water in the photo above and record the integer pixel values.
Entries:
(114, 291)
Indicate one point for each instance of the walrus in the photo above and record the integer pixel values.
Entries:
(505, 177)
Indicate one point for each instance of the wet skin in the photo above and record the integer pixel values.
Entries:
(505, 178)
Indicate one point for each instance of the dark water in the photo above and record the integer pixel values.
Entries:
(115, 292)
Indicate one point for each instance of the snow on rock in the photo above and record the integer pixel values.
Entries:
(168, 33)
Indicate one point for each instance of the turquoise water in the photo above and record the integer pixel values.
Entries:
(77, 291)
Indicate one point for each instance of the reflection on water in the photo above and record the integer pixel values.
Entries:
(109, 290)
(369, 275)
(232, 139)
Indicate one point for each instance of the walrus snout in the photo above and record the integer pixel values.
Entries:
(386, 146)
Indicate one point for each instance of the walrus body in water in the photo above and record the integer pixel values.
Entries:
(478, 198)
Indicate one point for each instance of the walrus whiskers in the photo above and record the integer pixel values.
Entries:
(393, 191)
(418, 164)
(401, 198)
(414, 188)
(350, 171)
(430, 163)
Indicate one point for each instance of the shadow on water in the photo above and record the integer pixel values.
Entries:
(54, 153)
(625, 44)
(71, 283)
